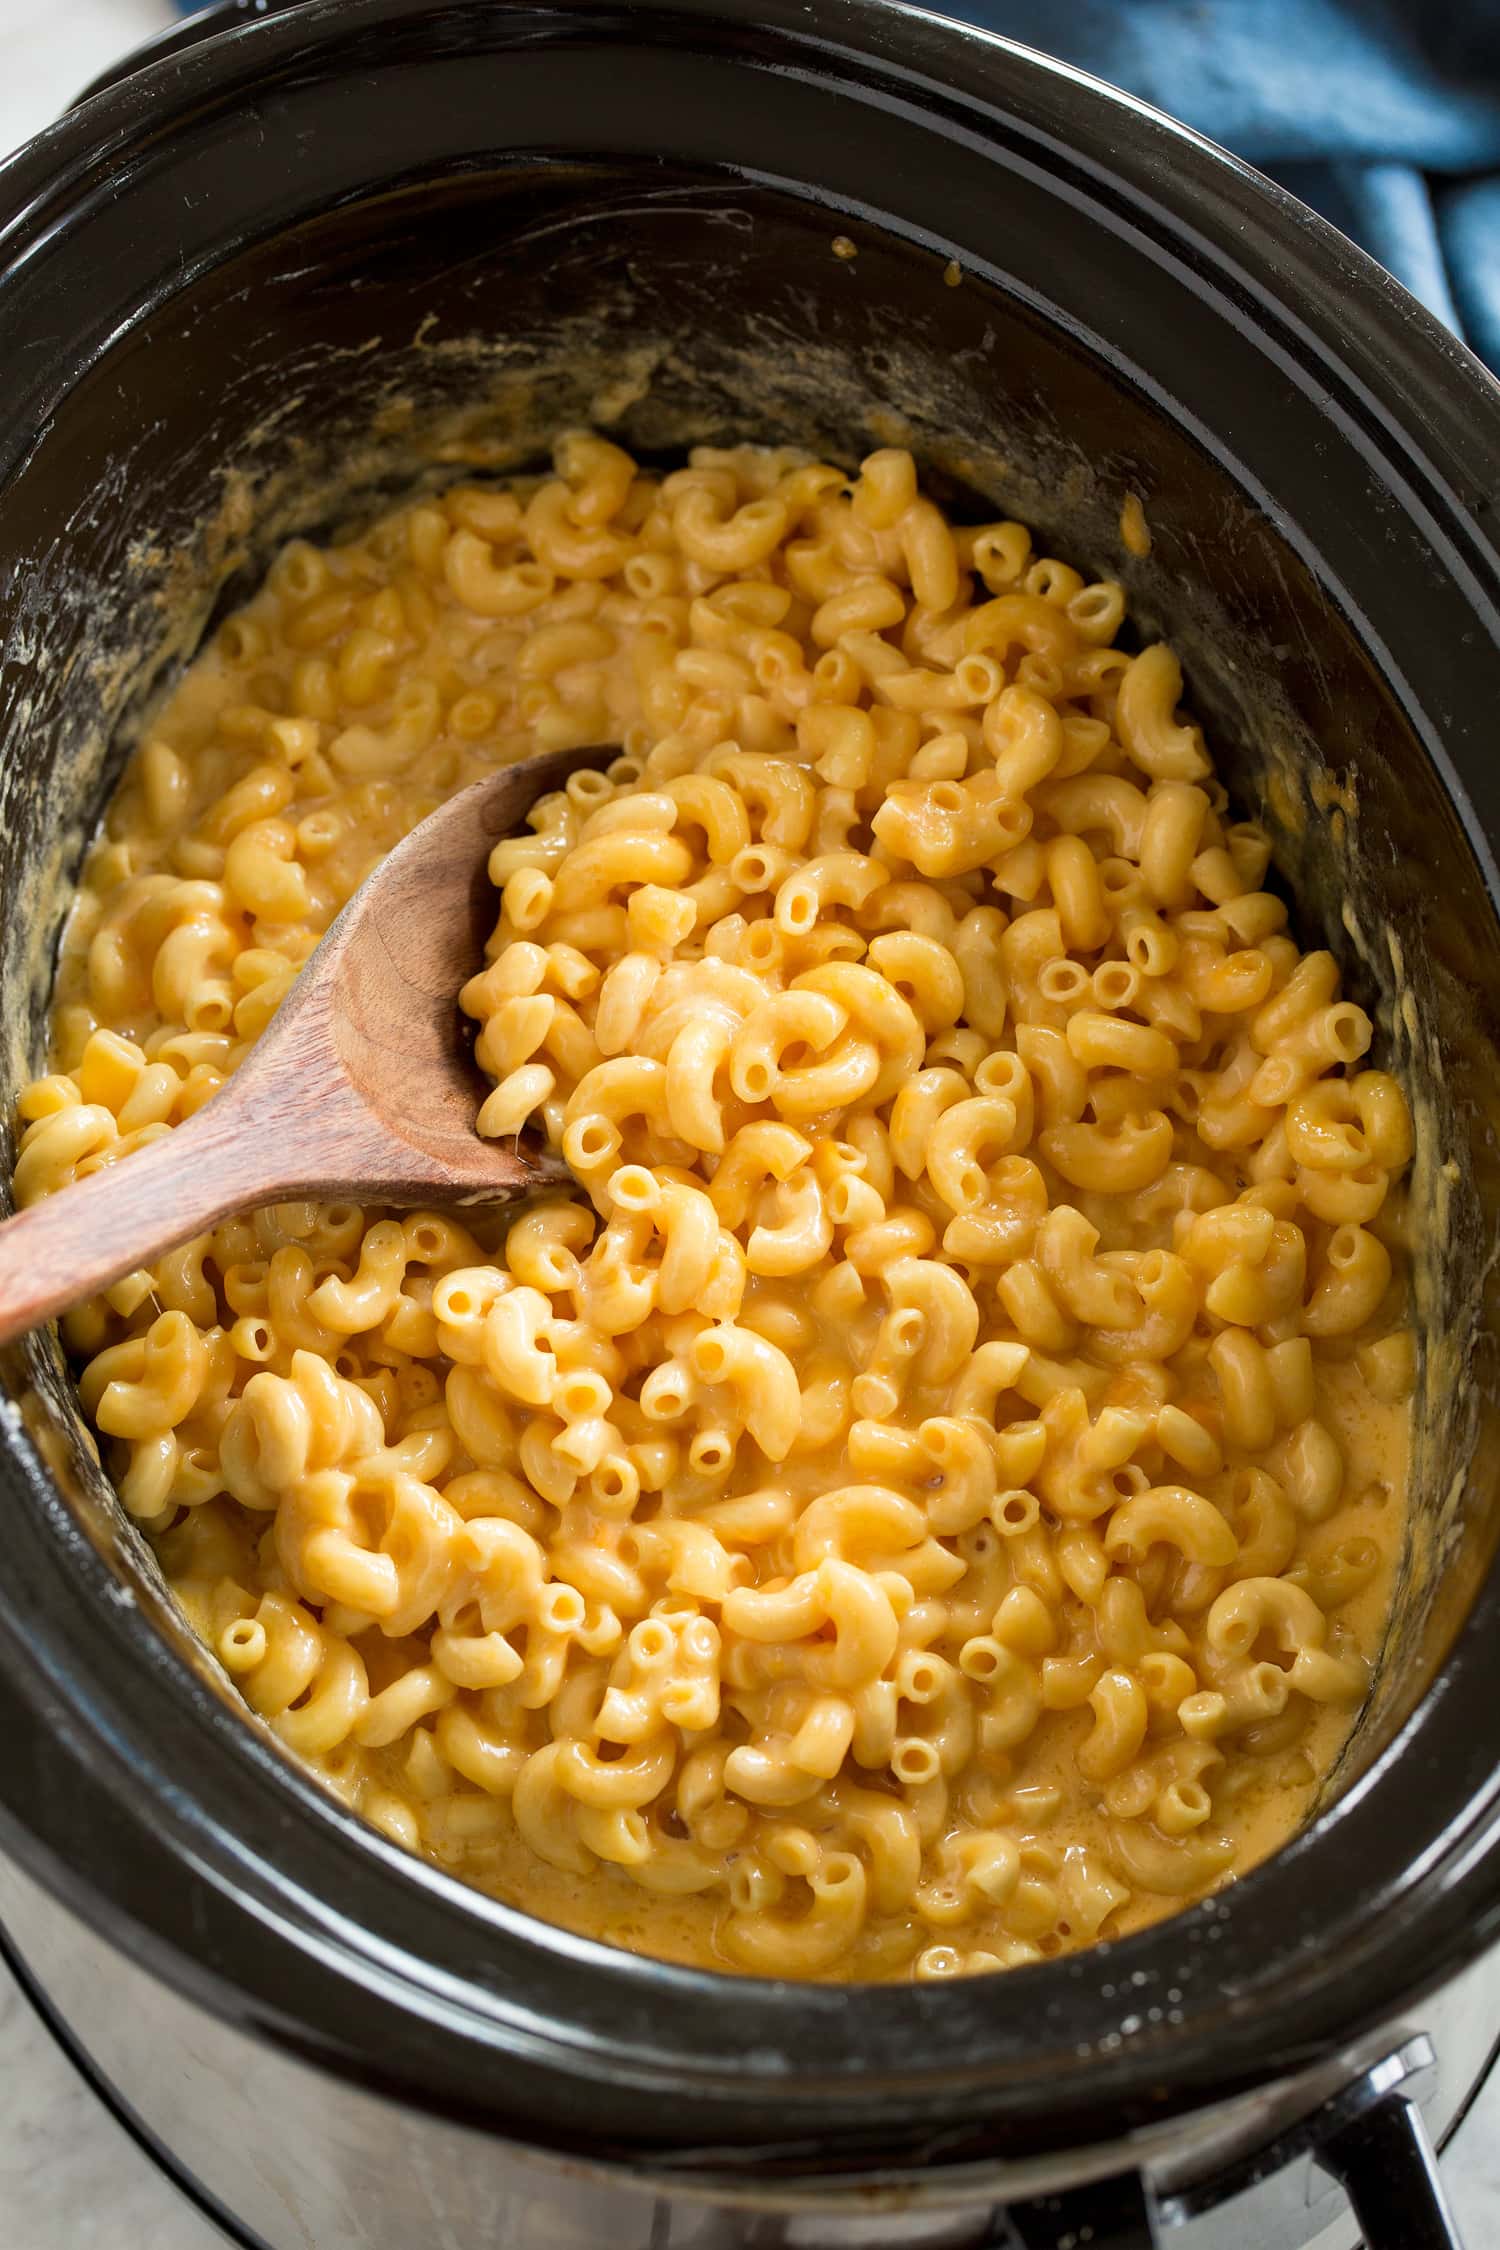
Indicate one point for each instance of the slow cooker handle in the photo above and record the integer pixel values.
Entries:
(1384, 2161)
(1369, 2137)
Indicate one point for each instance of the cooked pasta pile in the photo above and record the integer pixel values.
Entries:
(929, 1498)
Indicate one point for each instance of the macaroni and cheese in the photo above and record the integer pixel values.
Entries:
(929, 1499)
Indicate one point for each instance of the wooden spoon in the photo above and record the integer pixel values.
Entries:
(363, 1087)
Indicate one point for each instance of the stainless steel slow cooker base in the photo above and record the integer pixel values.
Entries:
(295, 2159)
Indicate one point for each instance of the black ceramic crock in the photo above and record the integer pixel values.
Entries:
(294, 262)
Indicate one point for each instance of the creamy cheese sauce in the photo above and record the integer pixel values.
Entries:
(524, 1629)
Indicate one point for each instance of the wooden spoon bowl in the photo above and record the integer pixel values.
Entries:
(362, 1088)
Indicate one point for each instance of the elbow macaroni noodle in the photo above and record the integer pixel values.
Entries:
(930, 1499)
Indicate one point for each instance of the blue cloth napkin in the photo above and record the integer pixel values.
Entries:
(1382, 114)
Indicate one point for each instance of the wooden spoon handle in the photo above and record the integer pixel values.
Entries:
(78, 1241)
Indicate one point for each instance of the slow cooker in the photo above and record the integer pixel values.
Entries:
(288, 263)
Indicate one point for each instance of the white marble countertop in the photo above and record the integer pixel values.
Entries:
(70, 2177)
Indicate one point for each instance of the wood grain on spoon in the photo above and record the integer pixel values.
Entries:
(363, 1087)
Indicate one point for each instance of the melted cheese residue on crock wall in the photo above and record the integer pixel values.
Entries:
(911, 1532)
